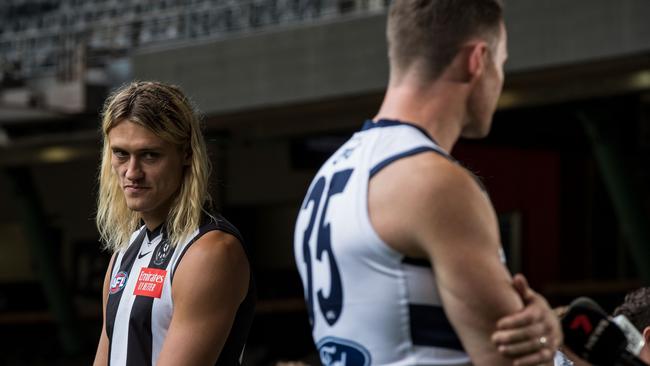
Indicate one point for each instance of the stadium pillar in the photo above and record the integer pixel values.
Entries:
(623, 187)
(43, 251)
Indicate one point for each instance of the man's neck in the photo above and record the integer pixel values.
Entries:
(152, 224)
(153, 219)
(439, 109)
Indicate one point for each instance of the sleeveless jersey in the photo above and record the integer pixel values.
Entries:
(367, 303)
(139, 307)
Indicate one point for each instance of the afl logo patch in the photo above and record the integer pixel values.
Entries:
(118, 282)
(161, 253)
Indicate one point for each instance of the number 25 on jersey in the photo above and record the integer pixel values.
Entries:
(332, 304)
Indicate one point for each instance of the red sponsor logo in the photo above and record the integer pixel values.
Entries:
(150, 282)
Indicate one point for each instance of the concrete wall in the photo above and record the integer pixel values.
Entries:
(297, 64)
(347, 56)
(555, 32)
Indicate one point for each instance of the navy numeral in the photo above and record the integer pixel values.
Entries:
(314, 196)
(332, 304)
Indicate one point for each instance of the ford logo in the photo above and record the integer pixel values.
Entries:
(341, 352)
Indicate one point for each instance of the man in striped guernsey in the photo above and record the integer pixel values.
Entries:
(178, 289)
(396, 244)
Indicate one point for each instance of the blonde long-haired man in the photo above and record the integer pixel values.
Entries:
(397, 245)
(178, 289)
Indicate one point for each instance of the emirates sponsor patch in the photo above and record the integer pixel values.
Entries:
(150, 282)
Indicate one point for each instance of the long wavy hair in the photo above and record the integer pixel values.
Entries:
(169, 114)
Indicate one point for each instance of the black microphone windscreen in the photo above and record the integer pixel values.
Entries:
(590, 334)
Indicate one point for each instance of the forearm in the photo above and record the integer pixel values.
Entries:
(474, 300)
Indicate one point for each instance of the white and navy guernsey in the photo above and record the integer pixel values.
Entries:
(367, 303)
(140, 306)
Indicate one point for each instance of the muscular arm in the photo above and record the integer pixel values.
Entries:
(101, 357)
(209, 284)
(425, 206)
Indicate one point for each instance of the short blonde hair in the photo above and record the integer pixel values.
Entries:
(168, 113)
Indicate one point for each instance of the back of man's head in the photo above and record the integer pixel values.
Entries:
(636, 307)
(429, 33)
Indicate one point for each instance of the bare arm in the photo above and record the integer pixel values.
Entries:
(209, 284)
(425, 206)
(101, 357)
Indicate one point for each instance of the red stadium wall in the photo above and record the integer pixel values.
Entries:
(525, 181)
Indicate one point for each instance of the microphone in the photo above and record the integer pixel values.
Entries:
(590, 334)
(635, 341)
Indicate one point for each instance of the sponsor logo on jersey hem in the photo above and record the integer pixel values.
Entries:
(118, 282)
(335, 351)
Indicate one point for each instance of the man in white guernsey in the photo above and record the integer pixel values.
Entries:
(178, 289)
(396, 243)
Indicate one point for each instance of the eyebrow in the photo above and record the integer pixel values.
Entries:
(154, 148)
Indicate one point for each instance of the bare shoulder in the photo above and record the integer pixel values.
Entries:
(435, 174)
(416, 196)
(427, 175)
(215, 263)
(215, 247)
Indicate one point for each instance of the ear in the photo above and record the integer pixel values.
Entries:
(645, 351)
(477, 59)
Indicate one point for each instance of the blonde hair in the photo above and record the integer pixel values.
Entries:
(167, 112)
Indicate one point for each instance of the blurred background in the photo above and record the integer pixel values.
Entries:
(281, 84)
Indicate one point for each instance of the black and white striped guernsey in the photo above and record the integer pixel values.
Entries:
(140, 306)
